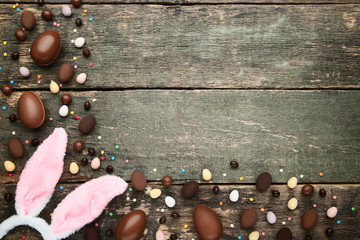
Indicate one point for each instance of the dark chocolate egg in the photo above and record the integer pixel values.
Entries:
(47, 15)
(131, 226)
(190, 189)
(307, 189)
(31, 110)
(207, 223)
(87, 124)
(284, 234)
(138, 180)
(28, 20)
(263, 181)
(92, 233)
(309, 219)
(21, 35)
(46, 47)
(248, 218)
(16, 148)
(65, 72)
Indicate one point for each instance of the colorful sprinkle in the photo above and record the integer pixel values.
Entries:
(353, 209)
(321, 174)
(158, 209)
(263, 234)
(338, 221)
(61, 188)
(262, 209)
(90, 64)
(126, 161)
(251, 199)
(51, 119)
(26, 141)
(74, 58)
(75, 66)
(102, 158)
(314, 205)
(39, 76)
(221, 203)
(4, 107)
(91, 19)
(12, 82)
(241, 178)
(72, 112)
(96, 224)
(117, 147)
(111, 214)
(113, 158)
(102, 152)
(185, 225)
(289, 218)
(239, 237)
(130, 189)
(5, 54)
(334, 197)
(281, 170)
(183, 170)
(18, 9)
(4, 43)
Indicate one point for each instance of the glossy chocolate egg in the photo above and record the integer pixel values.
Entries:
(207, 223)
(31, 110)
(87, 124)
(248, 218)
(65, 72)
(16, 148)
(28, 20)
(138, 180)
(92, 233)
(20, 35)
(46, 47)
(131, 226)
(309, 219)
(190, 189)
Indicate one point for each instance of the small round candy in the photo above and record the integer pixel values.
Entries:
(47, 15)
(40, 2)
(173, 237)
(76, 3)
(109, 169)
(12, 117)
(91, 151)
(87, 105)
(86, 52)
(35, 142)
(167, 181)
(7, 90)
(322, 192)
(275, 193)
(329, 232)
(66, 99)
(15, 55)
(78, 146)
(234, 164)
(84, 161)
(216, 190)
(78, 22)
(20, 35)
(175, 215)
(66, 11)
(162, 220)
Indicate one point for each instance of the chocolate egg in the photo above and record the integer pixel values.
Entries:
(46, 48)
(263, 181)
(138, 180)
(307, 189)
(20, 35)
(92, 233)
(284, 234)
(65, 72)
(207, 223)
(28, 20)
(31, 110)
(190, 189)
(309, 219)
(131, 226)
(7, 90)
(248, 218)
(16, 148)
(87, 124)
(47, 15)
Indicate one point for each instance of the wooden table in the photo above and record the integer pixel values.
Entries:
(183, 85)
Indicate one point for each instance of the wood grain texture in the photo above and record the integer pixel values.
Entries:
(212, 46)
(302, 132)
(190, 2)
(229, 212)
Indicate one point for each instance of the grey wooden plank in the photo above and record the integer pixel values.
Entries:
(301, 132)
(229, 213)
(210, 46)
(189, 2)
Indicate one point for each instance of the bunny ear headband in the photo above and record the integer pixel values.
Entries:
(37, 184)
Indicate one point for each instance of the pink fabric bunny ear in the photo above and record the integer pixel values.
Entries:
(40, 175)
(84, 204)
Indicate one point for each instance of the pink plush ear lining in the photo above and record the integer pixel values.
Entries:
(40, 175)
(84, 204)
